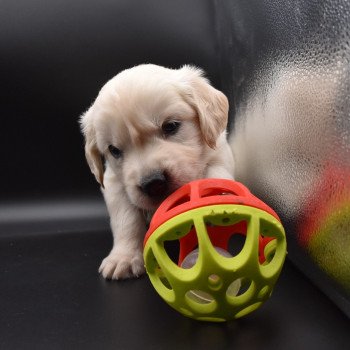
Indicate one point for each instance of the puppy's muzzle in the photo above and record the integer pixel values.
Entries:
(156, 185)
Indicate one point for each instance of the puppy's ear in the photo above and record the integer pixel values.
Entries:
(210, 104)
(92, 153)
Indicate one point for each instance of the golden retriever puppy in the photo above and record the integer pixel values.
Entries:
(150, 131)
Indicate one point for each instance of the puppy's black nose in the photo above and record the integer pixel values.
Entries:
(155, 185)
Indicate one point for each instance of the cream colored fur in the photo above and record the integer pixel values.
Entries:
(128, 113)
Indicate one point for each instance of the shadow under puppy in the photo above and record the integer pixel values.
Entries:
(156, 129)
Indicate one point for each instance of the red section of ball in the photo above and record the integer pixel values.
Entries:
(205, 192)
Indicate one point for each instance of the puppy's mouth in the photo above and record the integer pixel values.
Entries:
(155, 187)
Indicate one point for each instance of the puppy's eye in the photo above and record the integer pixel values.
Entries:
(170, 128)
(116, 152)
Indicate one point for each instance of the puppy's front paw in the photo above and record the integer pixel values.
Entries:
(121, 266)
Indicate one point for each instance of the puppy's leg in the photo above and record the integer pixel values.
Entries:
(128, 226)
(219, 172)
(222, 165)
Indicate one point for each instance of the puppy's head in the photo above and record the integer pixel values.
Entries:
(157, 129)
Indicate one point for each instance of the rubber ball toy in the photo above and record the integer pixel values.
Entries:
(214, 251)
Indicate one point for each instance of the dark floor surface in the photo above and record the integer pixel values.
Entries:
(52, 297)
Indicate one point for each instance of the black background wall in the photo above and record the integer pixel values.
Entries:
(56, 55)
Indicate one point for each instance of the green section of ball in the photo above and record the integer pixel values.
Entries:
(217, 288)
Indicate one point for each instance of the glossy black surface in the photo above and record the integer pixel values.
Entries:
(53, 298)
